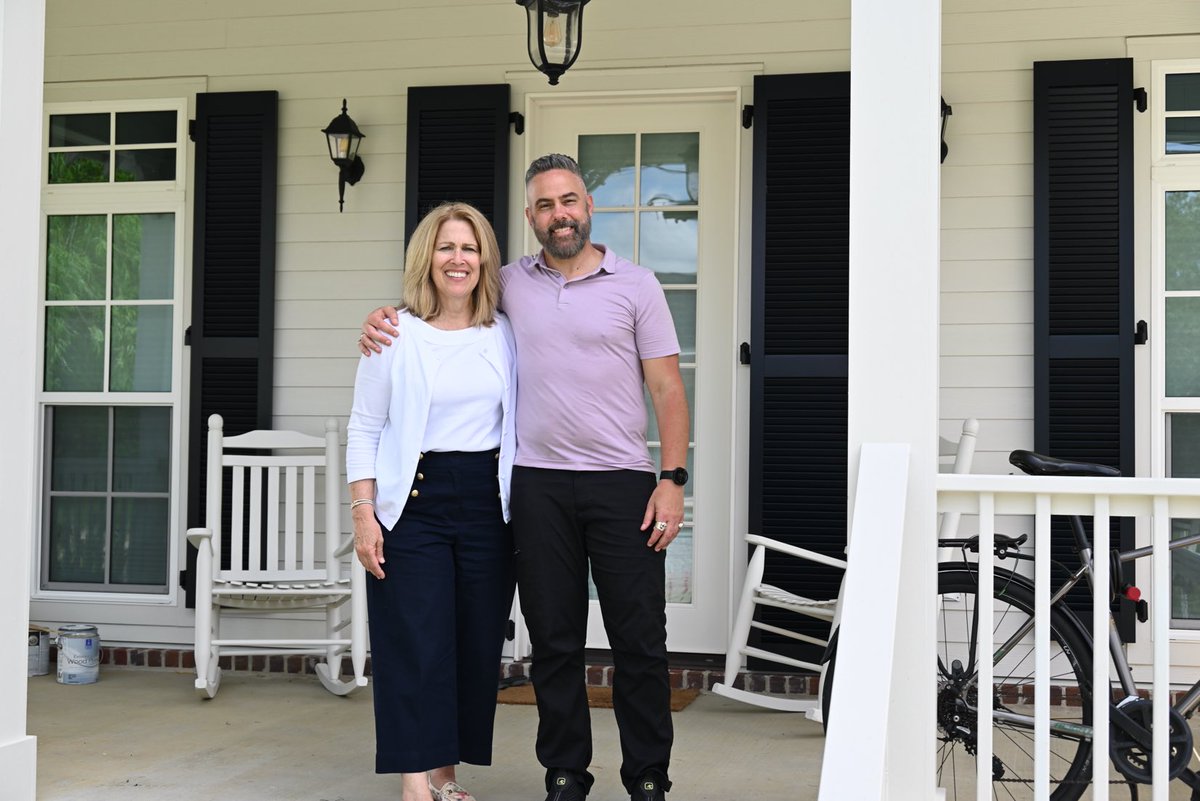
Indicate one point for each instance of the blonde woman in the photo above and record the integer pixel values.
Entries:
(429, 457)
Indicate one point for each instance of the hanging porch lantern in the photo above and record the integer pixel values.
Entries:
(554, 29)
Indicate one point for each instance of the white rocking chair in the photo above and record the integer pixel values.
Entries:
(757, 593)
(276, 568)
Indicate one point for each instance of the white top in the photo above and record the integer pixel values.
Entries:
(393, 396)
(465, 412)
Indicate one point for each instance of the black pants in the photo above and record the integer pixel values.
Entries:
(562, 521)
(437, 619)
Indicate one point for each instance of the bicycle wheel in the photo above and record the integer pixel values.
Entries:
(957, 690)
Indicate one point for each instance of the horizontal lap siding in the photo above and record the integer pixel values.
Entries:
(371, 51)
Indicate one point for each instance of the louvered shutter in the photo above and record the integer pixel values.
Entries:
(1083, 275)
(800, 333)
(233, 276)
(458, 151)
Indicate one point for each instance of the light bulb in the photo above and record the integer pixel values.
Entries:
(552, 32)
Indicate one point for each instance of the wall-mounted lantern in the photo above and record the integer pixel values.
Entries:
(343, 138)
(554, 29)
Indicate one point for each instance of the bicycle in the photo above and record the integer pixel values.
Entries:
(1071, 730)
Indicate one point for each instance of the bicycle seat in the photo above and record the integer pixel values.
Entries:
(1038, 465)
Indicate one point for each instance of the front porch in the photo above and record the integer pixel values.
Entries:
(143, 734)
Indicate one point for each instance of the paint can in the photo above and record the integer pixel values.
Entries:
(39, 652)
(78, 654)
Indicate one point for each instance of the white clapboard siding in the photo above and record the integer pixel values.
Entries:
(333, 268)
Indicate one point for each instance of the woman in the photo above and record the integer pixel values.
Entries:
(429, 455)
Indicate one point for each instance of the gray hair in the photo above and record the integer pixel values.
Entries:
(552, 161)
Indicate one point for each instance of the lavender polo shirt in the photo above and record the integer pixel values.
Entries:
(580, 344)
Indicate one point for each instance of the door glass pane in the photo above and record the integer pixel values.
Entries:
(79, 168)
(77, 535)
(141, 349)
(614, 230)
(1183, 455)
(607, 161)
(1183, 135)
(141, 448)
(74, 349)
(76, 252)
(668, 245)
(680, 561)
(682, 303)
(146, 165)
(139, 541)
(79, 449)
(670, 169)
(145, 127)
(1183, 92)
(143, 256)
(79, 130)
(1182, 223)
(1183, 347)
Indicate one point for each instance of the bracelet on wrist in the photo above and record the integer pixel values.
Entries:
(362, 501)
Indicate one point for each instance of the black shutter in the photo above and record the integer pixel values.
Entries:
(800, 330)
(1083, 275)
(458, 151)
(233, 276)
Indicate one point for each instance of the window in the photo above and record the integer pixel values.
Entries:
(1176, 258)
(114, 204)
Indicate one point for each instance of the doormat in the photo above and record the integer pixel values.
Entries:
(598, 697)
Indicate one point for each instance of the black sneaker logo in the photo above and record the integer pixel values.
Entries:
(561, 781)
(648, 786)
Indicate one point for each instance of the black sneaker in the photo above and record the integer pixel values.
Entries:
(564, 786)
(650, 787)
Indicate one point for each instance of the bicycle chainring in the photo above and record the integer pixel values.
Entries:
(1132, 759)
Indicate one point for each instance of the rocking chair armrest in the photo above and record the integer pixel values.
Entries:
(199, 536)
(346, 547)
(792, 550)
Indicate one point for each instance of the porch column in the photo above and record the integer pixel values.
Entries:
(895, 68)
(22, 50)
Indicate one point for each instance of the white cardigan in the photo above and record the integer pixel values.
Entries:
(391, 407)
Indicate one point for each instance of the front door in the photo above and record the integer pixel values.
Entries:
(662, 170)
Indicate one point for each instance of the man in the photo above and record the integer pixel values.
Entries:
(590, 329)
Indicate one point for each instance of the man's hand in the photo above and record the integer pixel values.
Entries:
(380, 324)
(664, 515)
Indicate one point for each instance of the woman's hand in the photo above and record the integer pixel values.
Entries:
(379, 325)
(368, 540)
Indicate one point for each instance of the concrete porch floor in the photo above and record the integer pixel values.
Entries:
(144, 734)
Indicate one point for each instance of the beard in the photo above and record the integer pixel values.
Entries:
(569, 247)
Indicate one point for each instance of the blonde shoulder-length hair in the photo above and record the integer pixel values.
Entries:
(420, 296)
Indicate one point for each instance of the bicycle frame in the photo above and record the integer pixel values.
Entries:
(1115, 644)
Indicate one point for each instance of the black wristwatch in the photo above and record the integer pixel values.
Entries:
(679, 475)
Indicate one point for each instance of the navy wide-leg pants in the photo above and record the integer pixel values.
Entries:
(564, 521)
(437, 619)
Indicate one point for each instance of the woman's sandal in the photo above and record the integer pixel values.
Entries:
(450, 791)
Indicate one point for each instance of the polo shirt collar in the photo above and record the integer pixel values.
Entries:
(608, 263)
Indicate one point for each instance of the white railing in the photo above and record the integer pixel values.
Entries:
(1154, 501)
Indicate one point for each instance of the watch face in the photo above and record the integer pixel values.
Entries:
(679, 476)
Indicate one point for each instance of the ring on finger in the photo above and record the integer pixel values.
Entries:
(661, 525)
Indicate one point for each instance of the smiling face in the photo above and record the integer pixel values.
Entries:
(560, 212)
(455, 264)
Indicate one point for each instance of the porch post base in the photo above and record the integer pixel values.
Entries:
(18, 766)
